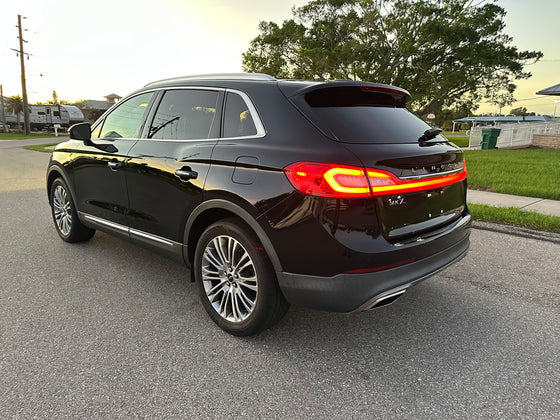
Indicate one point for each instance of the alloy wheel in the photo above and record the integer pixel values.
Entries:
(229, 278)
(62, 210)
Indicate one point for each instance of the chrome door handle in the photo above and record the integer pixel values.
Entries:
(186, 175)
(114, 164)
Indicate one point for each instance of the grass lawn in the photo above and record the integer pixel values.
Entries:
(528, 172)
(20, 136)
(516, 217)
(461, 141)
(41, 147)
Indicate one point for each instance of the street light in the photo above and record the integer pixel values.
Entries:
(555, 103)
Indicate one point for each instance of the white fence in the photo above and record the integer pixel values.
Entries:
(514, 135)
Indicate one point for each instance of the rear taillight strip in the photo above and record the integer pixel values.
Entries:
(341, 181)
(398, 186)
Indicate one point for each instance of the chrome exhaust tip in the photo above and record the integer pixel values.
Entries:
(385, 299)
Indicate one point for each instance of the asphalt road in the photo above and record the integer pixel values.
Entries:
(109, 330)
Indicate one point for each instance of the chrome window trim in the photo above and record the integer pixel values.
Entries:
(261, 132)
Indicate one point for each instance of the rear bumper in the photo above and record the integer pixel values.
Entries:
(358, 292)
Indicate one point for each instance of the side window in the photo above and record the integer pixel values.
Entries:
(238, 121)
(186, 114)
(125, 120)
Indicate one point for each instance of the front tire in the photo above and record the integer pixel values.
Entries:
(64, 214)
(236, 281)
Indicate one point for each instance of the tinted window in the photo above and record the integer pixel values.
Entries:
(125, 120)
(186, 115)
(356, 116)
(238, 121)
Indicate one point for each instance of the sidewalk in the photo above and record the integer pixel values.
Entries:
(538, 205)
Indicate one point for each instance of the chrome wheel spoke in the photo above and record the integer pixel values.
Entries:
(218, 248)
(214, 290)
(248, 282)
(211, 259)
(247, 303)
(224, 303)
(235, 307)
(243, 258)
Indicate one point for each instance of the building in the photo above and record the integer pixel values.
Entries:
(93, 109)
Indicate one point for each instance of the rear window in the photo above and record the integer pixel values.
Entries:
(352, 115)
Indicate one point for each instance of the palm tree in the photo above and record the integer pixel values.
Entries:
(14, 104)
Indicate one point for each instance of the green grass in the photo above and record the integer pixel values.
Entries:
(20, 136)
(527, 172)
(460, 141)
(516, 217)
(41, 147)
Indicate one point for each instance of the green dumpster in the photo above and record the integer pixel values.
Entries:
(490, 138)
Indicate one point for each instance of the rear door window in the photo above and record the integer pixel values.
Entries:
(186, 114)
(352, 115)
(238, 121)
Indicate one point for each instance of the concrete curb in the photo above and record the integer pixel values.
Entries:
(539, 235)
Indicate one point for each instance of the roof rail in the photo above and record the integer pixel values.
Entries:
(219, 76)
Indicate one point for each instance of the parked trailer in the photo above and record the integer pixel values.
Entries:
(45, 116)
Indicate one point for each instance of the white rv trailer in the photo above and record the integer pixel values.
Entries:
(45, 116)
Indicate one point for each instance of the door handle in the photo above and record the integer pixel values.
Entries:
(186, 174)
(114, 164)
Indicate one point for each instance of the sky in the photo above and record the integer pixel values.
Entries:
(86, 50)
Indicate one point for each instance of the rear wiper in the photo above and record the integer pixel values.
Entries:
(429, 134)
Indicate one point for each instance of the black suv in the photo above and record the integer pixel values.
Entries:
(329, 195)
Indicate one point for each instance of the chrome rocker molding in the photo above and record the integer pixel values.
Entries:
(163, 245)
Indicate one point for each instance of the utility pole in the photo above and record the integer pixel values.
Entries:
(4, 126)
(23, 84)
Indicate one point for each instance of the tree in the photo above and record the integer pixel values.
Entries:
(520, 112)
(14, 104)
(445, 52)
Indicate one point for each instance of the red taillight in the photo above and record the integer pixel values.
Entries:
(340, 181)
(328, 180)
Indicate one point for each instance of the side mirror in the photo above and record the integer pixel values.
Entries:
(81, 131)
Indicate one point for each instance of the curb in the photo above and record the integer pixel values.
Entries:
(538, 235)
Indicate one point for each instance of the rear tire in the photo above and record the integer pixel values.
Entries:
(237, 283)
(64, 214)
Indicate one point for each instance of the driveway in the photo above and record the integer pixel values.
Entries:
(105, 329)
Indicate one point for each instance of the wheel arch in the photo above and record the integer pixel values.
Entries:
(214, 210)
(53, 172)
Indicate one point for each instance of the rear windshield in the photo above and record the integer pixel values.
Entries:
(355, 116)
